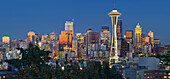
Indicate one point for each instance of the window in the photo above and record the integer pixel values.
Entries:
(3, 76)
(164, 73)
(165, 76)
(145, 74)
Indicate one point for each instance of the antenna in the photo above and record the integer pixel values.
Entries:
(73, 19)
(114, 4)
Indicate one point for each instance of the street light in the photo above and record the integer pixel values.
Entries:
(81, 68)
(62, 67)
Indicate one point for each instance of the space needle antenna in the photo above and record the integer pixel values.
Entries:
(114, 4)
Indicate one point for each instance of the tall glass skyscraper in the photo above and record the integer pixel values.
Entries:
(138, 31)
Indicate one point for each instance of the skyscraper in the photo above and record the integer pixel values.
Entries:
(44, 38)
(124, 48)
(37, 39)
(65, 38)
(114, 14)
(156, 45)
(31, 37)
(92, 43)
(54, 44)
(119, 34)
(147, 39)
(143, 40)
(105, 34)
(53, 37)
(151, 36)
(138, 31)
(75, 46)
(129, 36)
(69, 26)
(6, 39)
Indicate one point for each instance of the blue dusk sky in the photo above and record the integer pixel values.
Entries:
(18, 17)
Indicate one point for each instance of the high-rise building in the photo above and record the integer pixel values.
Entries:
(92, 43)
(75, 46)
(54, 44)
(55, 48)
(151, 36)
(138, 32)
(31, 37)
(105, 37)
(119, 34)
(129, 36)
(44, 38)
(14, 44)
(156, 45)
(69, 26)
(6, 39)
(5, 47)
(37, 40)
(124, 48)
(81, 44)
(105, 34)
(53, 37)
(147, 39)
(65, 38)
(142, 40)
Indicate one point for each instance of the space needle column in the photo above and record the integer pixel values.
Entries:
(114, 18)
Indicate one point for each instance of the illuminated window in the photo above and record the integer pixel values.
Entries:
(168, 73)
(148, 77)
(165, 76)
(169, 77)
(3, 76)
(145, 74)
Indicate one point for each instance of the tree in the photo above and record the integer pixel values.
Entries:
(165, 59)
(33, 63)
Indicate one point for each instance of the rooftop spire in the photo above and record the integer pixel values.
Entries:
(114, 4)
(138, 25)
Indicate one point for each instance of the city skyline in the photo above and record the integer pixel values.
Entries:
(78, 39)
(18, 27)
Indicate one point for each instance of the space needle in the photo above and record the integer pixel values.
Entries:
(114, 14)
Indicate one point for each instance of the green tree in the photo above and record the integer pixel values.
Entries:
(33, 63)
